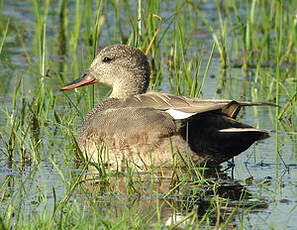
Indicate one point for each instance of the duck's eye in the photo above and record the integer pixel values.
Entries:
(106, 59)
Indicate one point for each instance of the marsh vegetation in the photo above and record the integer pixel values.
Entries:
(236, 49)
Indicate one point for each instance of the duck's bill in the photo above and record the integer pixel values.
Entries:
(85, 79)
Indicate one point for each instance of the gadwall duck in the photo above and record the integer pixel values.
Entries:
(151, 129)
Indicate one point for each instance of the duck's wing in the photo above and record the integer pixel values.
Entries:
(184, 104)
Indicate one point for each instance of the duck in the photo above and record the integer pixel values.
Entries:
(133, 127)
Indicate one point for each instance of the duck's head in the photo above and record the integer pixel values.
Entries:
(124, 68)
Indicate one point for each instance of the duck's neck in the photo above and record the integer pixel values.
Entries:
(136, 84)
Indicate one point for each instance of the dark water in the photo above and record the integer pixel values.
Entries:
(268, 168)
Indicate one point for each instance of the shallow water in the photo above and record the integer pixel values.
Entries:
(268, 169)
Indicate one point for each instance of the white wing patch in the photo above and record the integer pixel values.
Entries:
(237, 130)
(176, 114)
